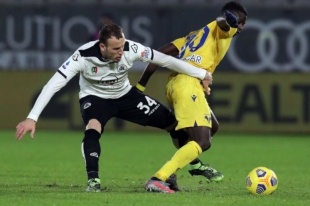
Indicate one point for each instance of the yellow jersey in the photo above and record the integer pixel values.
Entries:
(205, 48)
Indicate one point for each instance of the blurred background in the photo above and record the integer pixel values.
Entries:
(262, 85)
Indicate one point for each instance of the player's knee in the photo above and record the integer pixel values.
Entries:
(179, 138)
(201, 135)
(205, 144)
(94, 124)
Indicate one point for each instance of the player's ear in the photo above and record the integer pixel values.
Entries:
(102, 47)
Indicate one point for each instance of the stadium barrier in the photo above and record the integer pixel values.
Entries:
(266, 102)
(42, 38)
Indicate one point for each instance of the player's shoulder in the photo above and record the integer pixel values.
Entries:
(132, 46)
(88, 45)
(89, 50)
(212, 25)
(201, 31)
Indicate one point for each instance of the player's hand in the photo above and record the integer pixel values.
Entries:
(23, 127)
(231, 19)
(206, 82)
(208, 91)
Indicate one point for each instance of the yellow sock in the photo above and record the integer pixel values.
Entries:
(181, 158)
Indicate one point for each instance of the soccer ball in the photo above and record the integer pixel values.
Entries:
(261, 181)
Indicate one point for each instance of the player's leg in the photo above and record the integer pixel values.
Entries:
(193, 114)
(91, 152)
(196, 167)
(184, 156)
(141, 109)
(144, 110)
(95, 113)
(180, 137)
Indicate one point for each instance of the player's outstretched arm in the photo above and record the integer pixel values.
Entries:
(53, 85)
(168, 49)
(58, 81)
(23, 127)
(183, 67)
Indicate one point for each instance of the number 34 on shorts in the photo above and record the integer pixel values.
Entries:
(148, 108)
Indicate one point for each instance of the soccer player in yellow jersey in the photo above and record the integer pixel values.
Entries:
(204, 48)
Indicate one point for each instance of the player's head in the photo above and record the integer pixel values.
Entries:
(112, 41)
(239, 11)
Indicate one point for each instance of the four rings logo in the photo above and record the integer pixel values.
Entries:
(280, 46)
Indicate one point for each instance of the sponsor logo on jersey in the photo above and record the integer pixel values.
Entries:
(75, 57)
(134, 48)
(194, 58)
(122, 68)
(108, 82)
(146, 53)
(64, 66)
(194, 97)
(94, 70)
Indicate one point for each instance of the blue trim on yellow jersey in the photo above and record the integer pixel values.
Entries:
(190, 42)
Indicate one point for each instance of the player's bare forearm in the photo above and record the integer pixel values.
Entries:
(221, 22)
(168, 49)
(148, 72)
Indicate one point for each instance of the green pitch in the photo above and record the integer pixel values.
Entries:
(49, 170)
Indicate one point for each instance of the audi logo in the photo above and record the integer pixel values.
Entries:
(269, 45)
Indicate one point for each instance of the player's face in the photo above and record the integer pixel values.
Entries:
(241, 20)
(114, 49)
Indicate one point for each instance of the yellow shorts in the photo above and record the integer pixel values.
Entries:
(186, 95)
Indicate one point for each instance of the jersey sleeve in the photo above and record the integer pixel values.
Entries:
(179, 43)
(147, 54)
(71, 66)
(64, 74)
(139, 52)
(177, 65)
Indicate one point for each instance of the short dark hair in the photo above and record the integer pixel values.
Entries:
(234, 6)
(109, 30)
